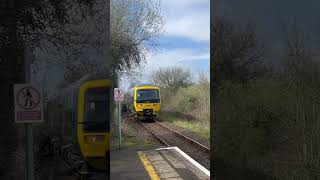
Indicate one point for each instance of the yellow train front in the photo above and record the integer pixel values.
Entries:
(144, 101)
(93, 122)
(80, 114)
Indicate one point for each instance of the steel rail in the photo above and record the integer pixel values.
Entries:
(175, 132)
(185, 137)
(150, 131)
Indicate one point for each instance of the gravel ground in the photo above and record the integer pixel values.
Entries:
(198, 154)
(133, 128)
(188, 133)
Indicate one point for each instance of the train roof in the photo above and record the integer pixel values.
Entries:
(141, 85)
(88, 77)
(76, 84)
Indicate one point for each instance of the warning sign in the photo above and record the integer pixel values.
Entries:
(118, 94)
(28, 104)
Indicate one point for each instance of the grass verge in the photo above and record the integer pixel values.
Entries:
(133, 141)
(201, 128)
(130, 141)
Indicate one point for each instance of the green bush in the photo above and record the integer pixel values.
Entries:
(268, 122)
(193, 100)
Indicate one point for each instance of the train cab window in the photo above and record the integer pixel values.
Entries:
(148, 96)
(97, 110)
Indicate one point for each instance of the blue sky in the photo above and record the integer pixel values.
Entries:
(186, 40)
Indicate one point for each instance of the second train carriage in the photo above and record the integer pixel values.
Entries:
(144, 100)
(81, 114)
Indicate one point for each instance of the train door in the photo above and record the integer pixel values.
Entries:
(94, 122)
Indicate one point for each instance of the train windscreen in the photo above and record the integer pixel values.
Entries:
(148, 96)
(97, 110)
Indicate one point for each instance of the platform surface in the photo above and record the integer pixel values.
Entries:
(172, 163)
(125, 164)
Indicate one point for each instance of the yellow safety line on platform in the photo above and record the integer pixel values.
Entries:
(147, 165)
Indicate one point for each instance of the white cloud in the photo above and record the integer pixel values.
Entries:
(187, 18)
(169, 58)
(173, 57)
(171, 5)
(194, 27)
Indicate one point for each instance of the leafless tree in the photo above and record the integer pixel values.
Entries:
(203, 78)
(36, 24)
(302, 71)
(135, 26)
(172, 78)
(300, 66)
(25, 23)
(237, 54)
(77, 46)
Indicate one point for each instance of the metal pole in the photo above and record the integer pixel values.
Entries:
(119, 121)
(28, 127)
(29, 152)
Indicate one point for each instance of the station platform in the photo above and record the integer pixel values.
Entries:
(125, 164)
(162, 163)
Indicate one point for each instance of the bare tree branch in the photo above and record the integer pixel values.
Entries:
(135, 26)
(172, 78)
(237, 54)
(301, 69)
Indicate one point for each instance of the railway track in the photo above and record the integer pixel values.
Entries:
(170, 137)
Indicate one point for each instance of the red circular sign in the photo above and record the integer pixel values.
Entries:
(28, 98)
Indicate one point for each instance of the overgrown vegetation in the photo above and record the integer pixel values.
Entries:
(135, 26)
(184, 103)
(269, 122)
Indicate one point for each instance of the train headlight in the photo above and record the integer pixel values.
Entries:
(94, 138)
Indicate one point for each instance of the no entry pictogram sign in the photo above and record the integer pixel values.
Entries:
(28, 104)
(118, 94)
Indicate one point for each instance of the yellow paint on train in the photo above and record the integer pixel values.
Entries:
(143, 99)
(93, 145)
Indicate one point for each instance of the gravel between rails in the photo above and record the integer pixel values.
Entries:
(132, 127)
(190, 134)
(199, 154)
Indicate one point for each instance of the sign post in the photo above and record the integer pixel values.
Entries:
(119, 97)
(28, 127)
(28, 109)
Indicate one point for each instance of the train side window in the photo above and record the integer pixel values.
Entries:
(97, 110)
